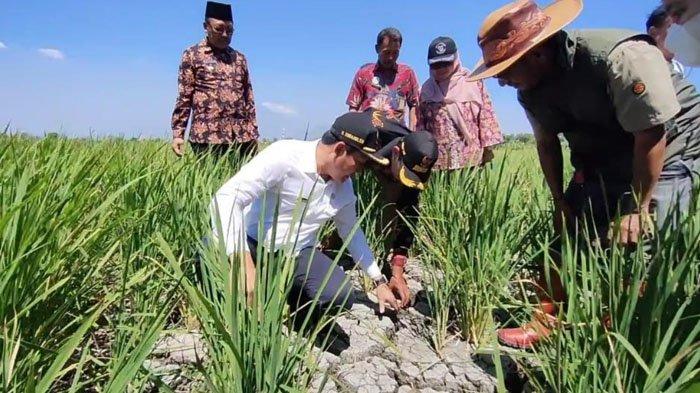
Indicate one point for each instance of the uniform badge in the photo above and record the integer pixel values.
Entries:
(639, 88)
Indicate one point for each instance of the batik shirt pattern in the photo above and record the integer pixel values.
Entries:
(215, 90)
(392, 93)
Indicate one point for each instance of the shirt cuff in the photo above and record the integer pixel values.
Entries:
(373, 271)
(179, 133)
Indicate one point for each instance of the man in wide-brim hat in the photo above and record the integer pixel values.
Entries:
(633, 126)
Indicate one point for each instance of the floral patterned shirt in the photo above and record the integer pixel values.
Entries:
(457, 150)
(214, 88)
(393, 93)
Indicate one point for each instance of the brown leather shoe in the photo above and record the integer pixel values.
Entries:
(548, 307)
(523, 337)
(526, 336)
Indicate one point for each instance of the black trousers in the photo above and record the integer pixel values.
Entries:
(221, 149)
(315, 274)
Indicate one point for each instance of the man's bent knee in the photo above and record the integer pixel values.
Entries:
(341, 298)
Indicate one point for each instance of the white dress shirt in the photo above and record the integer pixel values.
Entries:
(286, 172)
(678, 67)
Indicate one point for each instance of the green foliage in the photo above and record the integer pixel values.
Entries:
(477, 230)
(77, 257)
(632, 318)
(99, 239)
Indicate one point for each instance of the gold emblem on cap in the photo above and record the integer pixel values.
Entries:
(420, 169)
(424, 166)
(406, 181)
(377, 119)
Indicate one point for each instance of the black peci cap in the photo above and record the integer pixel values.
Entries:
(219, 11)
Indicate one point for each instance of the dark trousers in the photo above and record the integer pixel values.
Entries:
(315, 274)
(598, 201)
(397, 200)
(221, 149)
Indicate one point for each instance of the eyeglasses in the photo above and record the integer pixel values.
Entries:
(220, 30)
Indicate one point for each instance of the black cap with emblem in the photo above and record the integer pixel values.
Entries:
(418, 153)
(218, 11)
(442, 50)
(357, 129)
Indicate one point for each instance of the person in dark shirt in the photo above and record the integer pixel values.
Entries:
(633, 128)
(411, 157)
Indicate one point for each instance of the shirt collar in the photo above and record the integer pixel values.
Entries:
(307, 158)
(395, 69)
(209, 49)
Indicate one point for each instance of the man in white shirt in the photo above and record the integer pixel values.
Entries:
(313, 177)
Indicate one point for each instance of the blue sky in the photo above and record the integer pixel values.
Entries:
(110, 67)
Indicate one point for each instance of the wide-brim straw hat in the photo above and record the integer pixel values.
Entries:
(508, 33)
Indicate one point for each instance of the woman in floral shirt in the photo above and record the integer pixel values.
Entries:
(457, 112)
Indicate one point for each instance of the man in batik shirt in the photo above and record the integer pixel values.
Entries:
(386, 85)
(215, 89)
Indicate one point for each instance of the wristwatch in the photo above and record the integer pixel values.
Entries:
(380, 281)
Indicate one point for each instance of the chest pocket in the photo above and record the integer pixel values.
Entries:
(302, 195)
(207, 74)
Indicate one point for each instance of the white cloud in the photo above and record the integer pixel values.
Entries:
(52, 53)
(282, 109)
(2, 45)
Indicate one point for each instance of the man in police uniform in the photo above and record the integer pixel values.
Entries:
(633, 129)
(411, 156)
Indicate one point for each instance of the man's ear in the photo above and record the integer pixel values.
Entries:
(204, 25)
(340, 148)
(376, 48)
(653, 32)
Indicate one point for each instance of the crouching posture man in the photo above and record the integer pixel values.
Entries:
(316, 174)
(411, 156)
(632, 126)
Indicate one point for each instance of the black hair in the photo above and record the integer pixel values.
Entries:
(329, 138)
(393, 33)
(657, 18)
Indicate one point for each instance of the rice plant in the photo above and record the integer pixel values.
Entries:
(475, 230)
(99, 240)
(632, 319)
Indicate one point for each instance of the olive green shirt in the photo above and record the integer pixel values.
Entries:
(610, 85)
